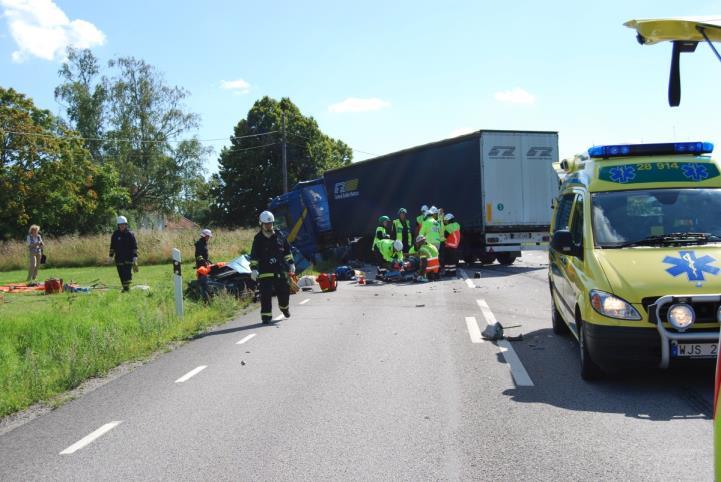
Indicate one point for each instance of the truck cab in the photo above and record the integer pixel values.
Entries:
(635, 255)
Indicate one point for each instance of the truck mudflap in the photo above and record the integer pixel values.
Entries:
(676, 337)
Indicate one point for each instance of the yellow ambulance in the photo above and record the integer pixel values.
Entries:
(635, 256)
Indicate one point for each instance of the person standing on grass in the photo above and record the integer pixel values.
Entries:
(201, 249)
(124, 249)
(35, 253)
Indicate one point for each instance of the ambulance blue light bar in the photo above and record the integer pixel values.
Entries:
(669, 148)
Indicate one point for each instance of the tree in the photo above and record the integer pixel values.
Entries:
(139, 119)
(47, 176)
(251, 168)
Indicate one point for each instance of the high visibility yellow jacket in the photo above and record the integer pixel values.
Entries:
(431, 229)
(404, 233)
(385, 246)
(452, 234)
(381, 233)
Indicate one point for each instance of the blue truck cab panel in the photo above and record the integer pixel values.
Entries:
(303, 215)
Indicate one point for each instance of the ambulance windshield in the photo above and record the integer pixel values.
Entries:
(656, 217)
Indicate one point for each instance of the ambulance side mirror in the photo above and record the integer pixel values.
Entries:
(563, 243)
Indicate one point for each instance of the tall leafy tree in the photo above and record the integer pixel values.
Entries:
(47, 176)
(141, 121)
(251, 168)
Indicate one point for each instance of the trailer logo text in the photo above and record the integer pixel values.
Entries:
(540, 152)
(502, 152)
(346, 189)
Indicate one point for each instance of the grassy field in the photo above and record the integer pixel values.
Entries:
(51, 343)
(154, 247)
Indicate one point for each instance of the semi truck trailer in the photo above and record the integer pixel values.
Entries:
(499, 185)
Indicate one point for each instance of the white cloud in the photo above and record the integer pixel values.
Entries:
(41, 29)
(461, 131)
(239, 86)
(515, 96)
(354, 104)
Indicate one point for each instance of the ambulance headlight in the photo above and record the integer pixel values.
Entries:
(613, 306)
(681, 316)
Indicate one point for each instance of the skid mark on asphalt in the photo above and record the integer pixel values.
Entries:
(191, 374)
(520, 375)
(246, 339)
(88, 439)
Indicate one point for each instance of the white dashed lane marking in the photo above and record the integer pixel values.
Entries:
(473, 331)
(469, 282)
(191, 374)
(520, 375)
(304, 301)
(246, 339)
(88, 439)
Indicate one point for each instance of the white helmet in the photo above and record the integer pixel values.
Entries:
(398, 245)
(122, 220)
(206, 232)
(420, 238)
(433, 210)
(266, 217)
(424, 209)
(448, 217)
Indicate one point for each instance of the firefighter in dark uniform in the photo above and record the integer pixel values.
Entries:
(272, 263)
(124, 249)
(201, 249)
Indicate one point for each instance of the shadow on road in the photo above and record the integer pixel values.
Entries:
(685, 391)
(234, 330)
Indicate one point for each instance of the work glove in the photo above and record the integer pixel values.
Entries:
(254, 275)
(291, 269)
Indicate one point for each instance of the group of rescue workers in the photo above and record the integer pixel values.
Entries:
(425, 248)
(428, 248)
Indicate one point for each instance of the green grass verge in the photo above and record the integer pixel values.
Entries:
(51, 343)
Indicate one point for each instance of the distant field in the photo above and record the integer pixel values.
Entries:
(154, 247)
(52, 343)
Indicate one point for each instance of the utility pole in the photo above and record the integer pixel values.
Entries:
(285, 159)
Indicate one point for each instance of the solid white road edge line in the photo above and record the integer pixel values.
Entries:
(191, 373)
(473, 330)
(89, 438)
(520, 375)
(246, 339)
(304, 301)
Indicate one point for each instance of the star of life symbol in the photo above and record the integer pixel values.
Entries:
(691, 265)
(622, 174)
(694, 172)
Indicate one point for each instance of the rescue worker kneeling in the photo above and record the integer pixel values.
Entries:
(429, 264)
(391, 252)
(272, 263)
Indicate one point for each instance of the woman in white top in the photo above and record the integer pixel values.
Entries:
(35, 251)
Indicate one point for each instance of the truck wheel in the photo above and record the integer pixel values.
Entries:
(506, 259)
(487, 258)
(559, 326)
(589, 370)
(469, 258)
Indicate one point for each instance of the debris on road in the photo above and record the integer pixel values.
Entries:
(420, 306)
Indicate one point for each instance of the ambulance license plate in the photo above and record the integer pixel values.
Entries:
(693, 350)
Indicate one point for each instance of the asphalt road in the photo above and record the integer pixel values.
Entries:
(380, 383)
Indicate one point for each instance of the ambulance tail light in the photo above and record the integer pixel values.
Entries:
(632, 150)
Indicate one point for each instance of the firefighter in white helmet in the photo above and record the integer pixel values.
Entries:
(124, 249)
(201, 249)
(272, 263)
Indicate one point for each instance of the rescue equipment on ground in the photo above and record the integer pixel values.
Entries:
(327, 281)
(53, 285)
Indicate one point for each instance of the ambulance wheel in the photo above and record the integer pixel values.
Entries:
(559, 326)
(506, 259)
(589, 370)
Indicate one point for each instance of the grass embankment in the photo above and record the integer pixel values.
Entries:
(51, 343)
(154, 247)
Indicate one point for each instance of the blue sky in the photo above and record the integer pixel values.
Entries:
(383, 76)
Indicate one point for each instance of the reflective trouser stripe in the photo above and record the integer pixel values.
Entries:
(266, 275)
(283, 307)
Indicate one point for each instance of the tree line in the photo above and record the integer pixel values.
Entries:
(127, 144)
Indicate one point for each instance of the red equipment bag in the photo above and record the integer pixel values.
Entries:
(53, 285)
(327, 281)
